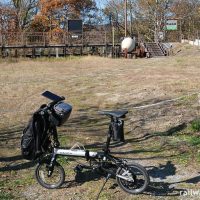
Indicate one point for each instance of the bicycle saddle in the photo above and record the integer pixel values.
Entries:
(114, 113)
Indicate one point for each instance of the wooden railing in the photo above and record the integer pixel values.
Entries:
(45, 39)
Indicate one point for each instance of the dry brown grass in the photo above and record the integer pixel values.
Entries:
(91, 84)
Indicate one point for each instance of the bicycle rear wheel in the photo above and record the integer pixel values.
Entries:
(52, 181)
(133, 179)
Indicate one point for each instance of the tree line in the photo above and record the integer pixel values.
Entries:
(44, 15)
(144, 17)
(149, 17)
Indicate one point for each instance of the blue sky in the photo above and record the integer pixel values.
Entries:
(4, 1)
(101, 3)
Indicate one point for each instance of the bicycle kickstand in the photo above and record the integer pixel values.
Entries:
(108, 176)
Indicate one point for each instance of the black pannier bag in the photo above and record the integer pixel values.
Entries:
(35, 139)
(118, 130)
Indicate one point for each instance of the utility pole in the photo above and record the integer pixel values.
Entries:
(125, 13)
(156, 23)
(165, 19)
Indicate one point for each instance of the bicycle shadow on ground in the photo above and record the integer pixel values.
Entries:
(83, 177)
(163, 171)
(162, 189)
(13, 166)
(160, 186)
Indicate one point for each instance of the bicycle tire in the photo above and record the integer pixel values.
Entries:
(125, 185)
(41, 174)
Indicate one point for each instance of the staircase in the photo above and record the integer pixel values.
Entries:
(155, 49)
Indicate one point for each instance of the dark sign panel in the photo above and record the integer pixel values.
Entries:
(75, 26)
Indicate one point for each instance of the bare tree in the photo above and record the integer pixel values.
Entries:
(7, 18)
(25, 10)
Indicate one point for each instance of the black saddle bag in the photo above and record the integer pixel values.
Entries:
(118, 130)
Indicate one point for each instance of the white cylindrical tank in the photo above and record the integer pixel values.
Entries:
(128, 43)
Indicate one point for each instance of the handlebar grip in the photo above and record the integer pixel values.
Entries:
(63, 98)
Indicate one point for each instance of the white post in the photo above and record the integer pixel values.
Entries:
(113, 36)
(57, 53)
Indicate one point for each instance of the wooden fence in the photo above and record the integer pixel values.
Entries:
(28, 44)
(13, 39)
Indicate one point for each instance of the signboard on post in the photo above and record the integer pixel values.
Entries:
(75, 26)
(171, 24)
(75, 30)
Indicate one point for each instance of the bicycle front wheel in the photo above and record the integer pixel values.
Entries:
(49, 181)
(133, 179)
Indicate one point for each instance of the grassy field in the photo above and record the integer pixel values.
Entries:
(164, 137)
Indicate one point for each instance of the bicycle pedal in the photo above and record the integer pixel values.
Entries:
(78, 168)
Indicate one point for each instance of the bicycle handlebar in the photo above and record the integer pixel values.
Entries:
(54, 97)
